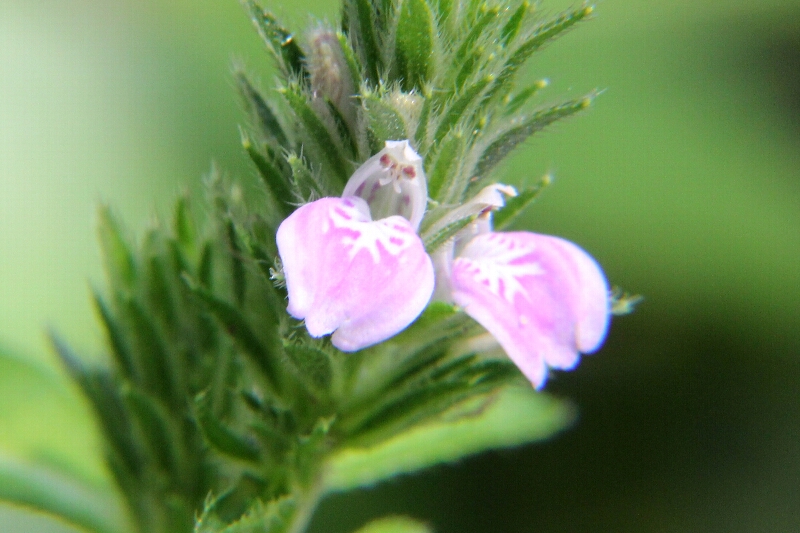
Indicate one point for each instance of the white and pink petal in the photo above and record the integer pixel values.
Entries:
(362, 280)
(544, 299)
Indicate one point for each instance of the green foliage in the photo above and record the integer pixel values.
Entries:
(217, 409)
(510, 417)
(50, 474)
(414, 43)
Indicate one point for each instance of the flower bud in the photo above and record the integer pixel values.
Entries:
(329, 73)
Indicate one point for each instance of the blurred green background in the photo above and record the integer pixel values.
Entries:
(683, 181)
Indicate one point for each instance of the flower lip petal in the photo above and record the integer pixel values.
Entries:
(543, 298)
(362, 280)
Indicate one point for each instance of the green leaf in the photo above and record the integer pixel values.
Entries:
(238, 271)
(414, 42)
(154, 358)
(304, 180)
(237, 327)
(273, 178)
(539, 37)
(118, 257)
(116, 337)
(456, 110)
(156, 429)
(350, 59)
(267, 121)
(427, 397)
(433, 242)
(63, 476)
(516, 205)
(514, 104)
(97, 510)
(273, 517)
(279, 40)
(342, 129)
(448, 157)
(221, 437)
(488, 16)
(395, 524)
(317, 133)
(519, 132)
(512, 27)
(515, 416)
(421, 135)
(365, 39)
(183, 224)
(383, 120)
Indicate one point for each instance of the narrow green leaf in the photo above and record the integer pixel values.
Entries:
(542, 34)
(383, 120)
(116, 337)
(279, 41)
(104, 396)
(513, 136)
(159, 288)
(395, 524)
(273, 517)
(468, 67)
(421, 135)
(515, 103)
(515, 416)
(455, 110)
(430, 397)
(304, 180)
(349, 54)
(487, 16)
(155, 428)
(118, 257)
(237, 327)
(433, 242)
(512, 27)
(366, 40)
(205, 268)
(516, 205)
(317, 133)
(273, 178)
(449, 155)
(343, 129)
(265, 117)
(153, 357)
(238, 270)
(221, 437)
(183, 224)
(414, 42)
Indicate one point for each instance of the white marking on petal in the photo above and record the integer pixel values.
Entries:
(499, 263)
(368, 235)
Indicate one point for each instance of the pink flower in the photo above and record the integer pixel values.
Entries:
(361, 279)
(542, 298)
